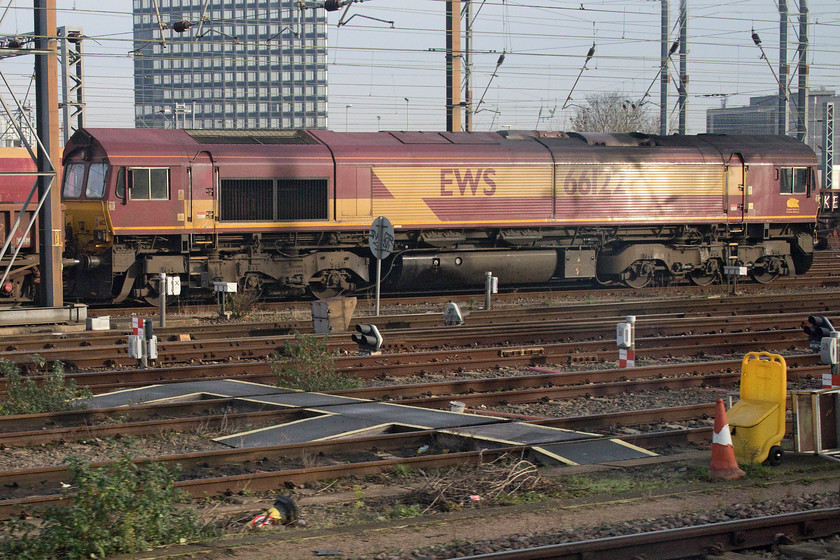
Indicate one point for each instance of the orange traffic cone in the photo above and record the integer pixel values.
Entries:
(724, 466)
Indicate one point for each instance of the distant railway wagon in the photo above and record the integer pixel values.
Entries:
(19, 272)
(286, 212)
(828, 226)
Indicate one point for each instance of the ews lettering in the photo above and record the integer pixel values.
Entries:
(467, 181)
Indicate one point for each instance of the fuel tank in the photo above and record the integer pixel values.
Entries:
(467, 268)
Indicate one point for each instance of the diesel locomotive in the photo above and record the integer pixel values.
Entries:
(287, 212)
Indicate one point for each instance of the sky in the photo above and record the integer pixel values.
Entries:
(394, 78)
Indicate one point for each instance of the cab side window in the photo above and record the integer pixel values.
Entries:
(119, 188)
(793, 180)
(96, 180)
(149, 183)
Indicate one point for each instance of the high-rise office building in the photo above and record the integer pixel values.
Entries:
(229, 64)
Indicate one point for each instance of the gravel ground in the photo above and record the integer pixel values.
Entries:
(362, 528)
(95, 450)
(732, 512)
(363, 518)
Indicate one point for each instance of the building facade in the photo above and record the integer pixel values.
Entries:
(229, 64)
(760, 117)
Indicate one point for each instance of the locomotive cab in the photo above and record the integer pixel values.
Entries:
(83, 194)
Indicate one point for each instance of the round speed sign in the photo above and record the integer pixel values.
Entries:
(381, 237)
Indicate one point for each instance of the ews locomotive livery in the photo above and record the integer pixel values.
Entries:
(287, 212)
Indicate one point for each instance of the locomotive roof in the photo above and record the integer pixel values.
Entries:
(780, 150)
(151, 142)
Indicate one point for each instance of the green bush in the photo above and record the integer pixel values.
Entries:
(241, 304)
(308, 365)
(54, 394)
(118, 508)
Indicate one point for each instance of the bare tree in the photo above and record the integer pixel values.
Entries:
(612, 112)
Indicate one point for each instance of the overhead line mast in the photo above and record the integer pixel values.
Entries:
(453, 65)
(802, 71)
(663, 76)
(783, 68)
(683, 86)
(46, 114)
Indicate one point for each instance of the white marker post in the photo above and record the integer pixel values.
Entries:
(733, 272)
(162, 292)
(381, 239)
(625, 337)
(168, 286)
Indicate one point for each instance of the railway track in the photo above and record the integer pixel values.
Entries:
(216, 473)
(704, 541)
(258, 370)
(272, 463)
(414, 332)
(366, 304)
(496, 340)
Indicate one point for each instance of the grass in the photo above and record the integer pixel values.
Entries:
(118, 508)
(309, 366)
(402, 470)
(54, 393)
(581, 485)
(402, 511)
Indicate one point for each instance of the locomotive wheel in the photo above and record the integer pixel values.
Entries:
(700, 278)
(253, 285)
(329, 283)
(771, 269)
(639, 274)
(323, 292)
(151, 295)
(705, 275)
(764, 277)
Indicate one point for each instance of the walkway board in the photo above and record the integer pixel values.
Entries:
(333, 417)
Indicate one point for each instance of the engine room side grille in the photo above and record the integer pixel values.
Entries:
(246, 199)
(302, 199)
(251, 200)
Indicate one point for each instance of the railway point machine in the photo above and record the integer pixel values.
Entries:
(757, 420)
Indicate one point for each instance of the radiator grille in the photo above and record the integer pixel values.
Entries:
(246, 199)
(252, 200)
(301, 199)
